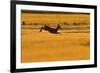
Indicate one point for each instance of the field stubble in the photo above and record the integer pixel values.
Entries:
(44, 46)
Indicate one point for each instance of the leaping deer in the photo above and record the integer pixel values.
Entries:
(51, 30)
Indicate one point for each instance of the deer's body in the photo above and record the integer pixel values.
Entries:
(51, 30)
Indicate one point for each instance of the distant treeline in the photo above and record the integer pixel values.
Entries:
(65, 23)
(64, 26)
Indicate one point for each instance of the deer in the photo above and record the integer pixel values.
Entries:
(50, 29)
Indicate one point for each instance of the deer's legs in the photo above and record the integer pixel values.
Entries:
(41, 29)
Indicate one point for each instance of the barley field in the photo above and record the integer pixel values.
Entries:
(43, 46)
(73, 42)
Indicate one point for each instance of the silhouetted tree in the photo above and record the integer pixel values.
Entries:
(35, 23)
(23, 23)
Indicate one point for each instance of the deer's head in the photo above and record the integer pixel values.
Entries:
(58, 26)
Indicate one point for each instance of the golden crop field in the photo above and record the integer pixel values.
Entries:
(73, 42)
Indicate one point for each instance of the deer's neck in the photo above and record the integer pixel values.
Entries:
(57, 28)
